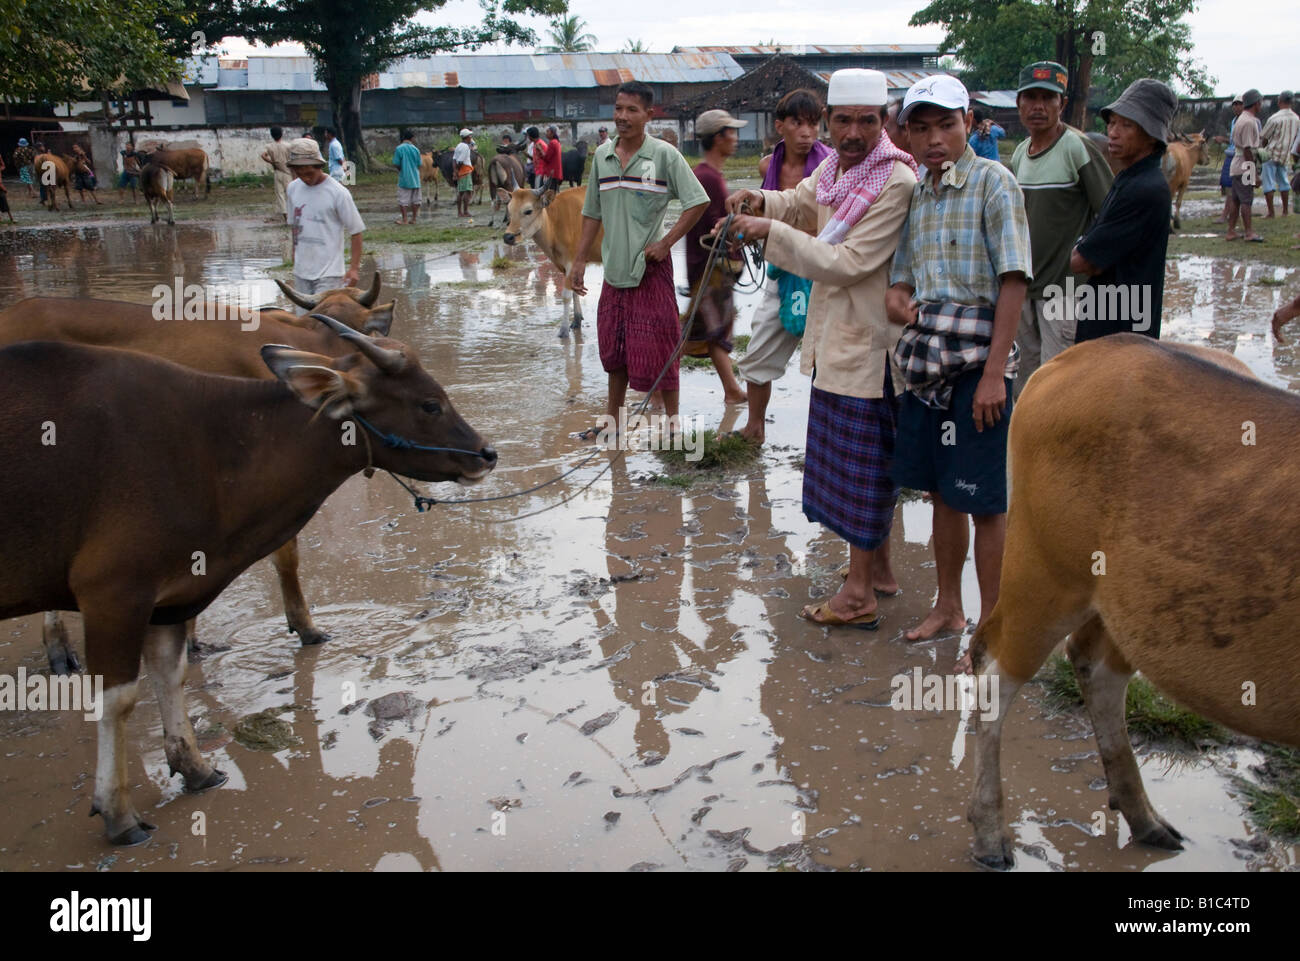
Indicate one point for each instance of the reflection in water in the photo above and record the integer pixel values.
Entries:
(620, 681)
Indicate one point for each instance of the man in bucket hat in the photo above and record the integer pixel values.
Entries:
(321, 213)
(1123, 252)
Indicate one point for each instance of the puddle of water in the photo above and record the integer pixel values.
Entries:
(621, 682)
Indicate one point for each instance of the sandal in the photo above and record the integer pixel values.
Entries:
(843, 572)
(822, 614)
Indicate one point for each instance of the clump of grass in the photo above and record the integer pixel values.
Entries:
(1274, 805)
(502, 262)
(1271, 281)
(245, 180)
(741, 344)
(681, 481)
(1149, 712)
(715, 453)
(420, 234)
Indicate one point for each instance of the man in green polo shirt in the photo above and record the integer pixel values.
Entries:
(1065, 180)
(633, 177)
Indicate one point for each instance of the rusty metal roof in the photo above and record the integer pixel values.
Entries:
(523, 71)
(896, 79)
(805, 49)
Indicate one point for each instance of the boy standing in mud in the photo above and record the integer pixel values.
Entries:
(958, 284)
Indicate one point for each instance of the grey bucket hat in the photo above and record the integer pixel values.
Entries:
(1149, 104)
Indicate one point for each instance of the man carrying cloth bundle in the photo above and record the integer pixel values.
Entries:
(958, 284)
(781, 315)
(839, 228)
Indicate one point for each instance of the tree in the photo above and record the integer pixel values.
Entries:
(350, 41)
(50, 52)
(1103, 44)
(635, 46)
(567, 36)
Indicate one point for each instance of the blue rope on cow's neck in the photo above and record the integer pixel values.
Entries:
(398, 442)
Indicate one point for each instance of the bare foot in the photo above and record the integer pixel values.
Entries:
(964, 665)
(886, 585)
(847, 607)
(937, 622)
(735, 398)
(753, 433)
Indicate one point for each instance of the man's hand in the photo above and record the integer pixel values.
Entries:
(746, 228)
(351, 277)
(657, 251)
(990, 399)
(753, 198)
(900, 308)
(1079, 264)
(576, 273)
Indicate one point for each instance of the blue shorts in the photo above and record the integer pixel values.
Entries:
(1225, 177)
(1275, 177)
(940, 450)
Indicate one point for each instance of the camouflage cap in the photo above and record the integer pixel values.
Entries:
(1045, 75)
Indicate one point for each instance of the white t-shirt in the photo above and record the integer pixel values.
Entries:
(461, 155)
(321, 219)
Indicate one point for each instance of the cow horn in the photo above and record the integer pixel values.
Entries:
(302, 300)
(536, 191)
(368, 298)
(389, 361)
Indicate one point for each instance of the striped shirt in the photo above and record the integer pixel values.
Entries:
(631, 202)
(958, 240)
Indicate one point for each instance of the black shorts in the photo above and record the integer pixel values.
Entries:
(941, 451)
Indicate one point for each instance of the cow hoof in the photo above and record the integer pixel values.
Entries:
(213, 780)
(999, 856)
(311, 637)
(65, 666)
(575, 325)
(1164, 836)
(564, 333)
(136, 834)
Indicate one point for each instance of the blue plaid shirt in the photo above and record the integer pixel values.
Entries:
(960, 237)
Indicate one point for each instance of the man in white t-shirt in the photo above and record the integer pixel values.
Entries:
(462, 160)
(321, 214)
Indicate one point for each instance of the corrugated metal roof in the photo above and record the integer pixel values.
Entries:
(997, 99)
(803, 49)
(896, 79)
(494, 71)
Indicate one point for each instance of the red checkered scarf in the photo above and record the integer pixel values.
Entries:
(857, 188)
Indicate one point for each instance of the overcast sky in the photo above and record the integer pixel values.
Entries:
(1242, 44)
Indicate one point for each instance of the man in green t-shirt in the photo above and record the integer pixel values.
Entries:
(406, 158)
(632, 179)
(1065, 180)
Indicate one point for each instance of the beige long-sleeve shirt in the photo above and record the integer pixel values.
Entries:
(847, 337)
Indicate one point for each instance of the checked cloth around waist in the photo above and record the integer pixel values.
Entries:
(946, 341)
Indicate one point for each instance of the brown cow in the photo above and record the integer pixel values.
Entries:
(53, 172)
(1159, 543)
(505, 176)
(185, 164)
(217, 343)
(156, 185)
(156, 465)
(1180, 157)
(554, 222)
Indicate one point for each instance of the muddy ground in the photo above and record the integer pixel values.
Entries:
(621, 683)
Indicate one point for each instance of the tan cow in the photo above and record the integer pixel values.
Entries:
(554, 222)
(218, 343)
(1180, 157)
(1159, 541)
(53, 172)
(156, 185)
(186, 164)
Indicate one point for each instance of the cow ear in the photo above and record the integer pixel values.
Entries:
(380, 320)
(310, 377)
(504, 194)
(548, 197)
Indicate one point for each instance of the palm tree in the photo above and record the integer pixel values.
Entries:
(567, 36)
(635, 46)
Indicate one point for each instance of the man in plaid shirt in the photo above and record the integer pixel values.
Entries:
(958, 284)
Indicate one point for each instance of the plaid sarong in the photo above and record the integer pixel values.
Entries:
(848, 480)
(946, 341)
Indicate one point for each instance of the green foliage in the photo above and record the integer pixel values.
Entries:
(567, 36)
(635, 46)
(1274, 803)
(717, 452)
(1120, 40)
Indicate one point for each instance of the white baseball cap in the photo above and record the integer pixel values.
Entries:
(855, 86)
(466, 132)
(940, 90)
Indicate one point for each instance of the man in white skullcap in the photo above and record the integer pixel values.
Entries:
(838, 228)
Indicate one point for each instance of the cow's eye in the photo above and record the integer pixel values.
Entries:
(528, 211)
(431, 407)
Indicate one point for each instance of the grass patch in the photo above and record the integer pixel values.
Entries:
(740, 345)
(420, 234)
(1149, 712)
(502, 262)
(715, 453)
(466, 284)
(1274, 804)
(1268, 281)
(680, 481)
(1278, 233)
(246, 180)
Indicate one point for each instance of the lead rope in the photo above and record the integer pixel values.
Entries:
(422, 503)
